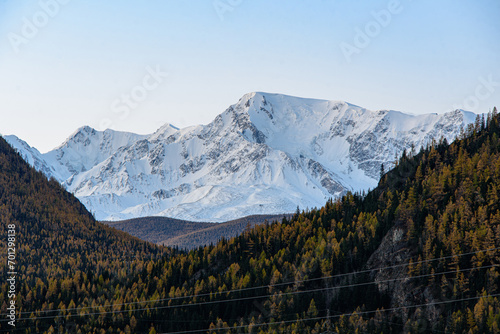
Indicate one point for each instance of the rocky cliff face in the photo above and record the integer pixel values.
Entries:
(265, 154)
(393, 255)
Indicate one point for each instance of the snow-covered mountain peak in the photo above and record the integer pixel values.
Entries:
(82, 135)
(86, 135)
(164, 132)
(31, 155)
(267, 153)
(266, 109)
(86, 148)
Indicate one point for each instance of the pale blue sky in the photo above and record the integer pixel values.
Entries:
(74, 69)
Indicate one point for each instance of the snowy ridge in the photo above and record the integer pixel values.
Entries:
(265, 154)
(31, 155)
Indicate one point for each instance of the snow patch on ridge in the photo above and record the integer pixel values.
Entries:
(266, 154)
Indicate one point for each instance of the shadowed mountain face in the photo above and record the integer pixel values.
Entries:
(186, 234)
(265, 154)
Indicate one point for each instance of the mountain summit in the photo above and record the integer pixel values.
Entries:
(266, 154)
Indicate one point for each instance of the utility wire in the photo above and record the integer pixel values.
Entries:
(263, 286)
(333, 316)
(253, 297)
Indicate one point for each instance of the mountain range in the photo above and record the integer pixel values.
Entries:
(266, 154)
(417, 254)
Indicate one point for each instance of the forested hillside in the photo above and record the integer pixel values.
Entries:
(437, 214)
(63, 257)
(417, 254)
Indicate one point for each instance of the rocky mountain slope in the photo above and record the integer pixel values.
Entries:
(265, 154)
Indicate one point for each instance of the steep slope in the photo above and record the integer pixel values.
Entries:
(265, 154)
(62, 256)
(443, 251)
(85, 149)
(32, 156)
(419, 253)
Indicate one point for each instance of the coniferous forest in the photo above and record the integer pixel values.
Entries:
(419, 253)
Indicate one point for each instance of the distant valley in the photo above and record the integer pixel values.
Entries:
(188, 235)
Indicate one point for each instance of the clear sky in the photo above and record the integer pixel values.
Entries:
(134, 65)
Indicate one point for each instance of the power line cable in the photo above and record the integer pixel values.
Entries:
(251, 298)
(264, 286)
(334, 316)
